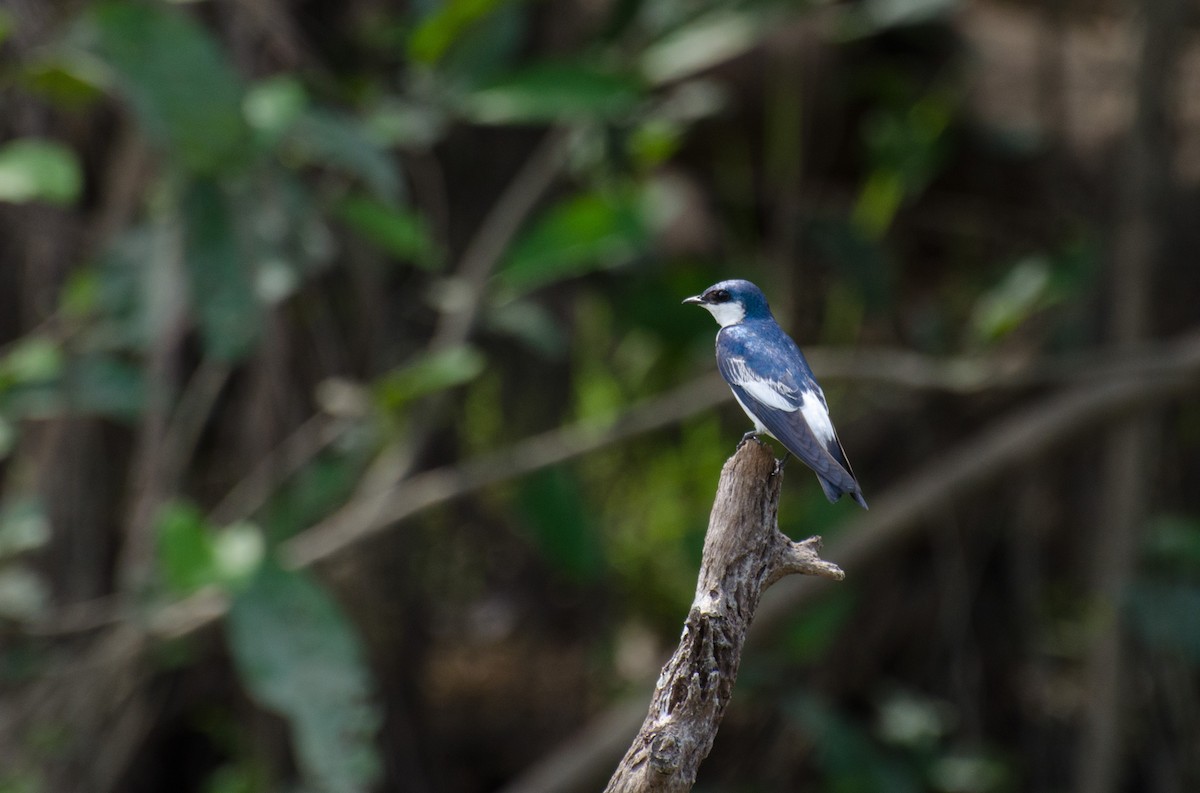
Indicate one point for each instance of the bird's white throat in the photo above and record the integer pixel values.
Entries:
(726, 314)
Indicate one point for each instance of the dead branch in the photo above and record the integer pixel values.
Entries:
(744, 553)
(898, 513)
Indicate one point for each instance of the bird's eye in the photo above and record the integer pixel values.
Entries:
(718, 296)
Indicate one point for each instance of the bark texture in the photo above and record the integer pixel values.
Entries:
(744, 553)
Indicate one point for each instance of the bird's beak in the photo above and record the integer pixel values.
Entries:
(695, 299)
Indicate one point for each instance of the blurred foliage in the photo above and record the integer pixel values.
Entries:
(236, 231)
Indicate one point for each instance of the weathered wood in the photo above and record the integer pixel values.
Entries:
(744, 553)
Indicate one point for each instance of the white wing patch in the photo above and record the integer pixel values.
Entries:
(771, 393)
(817, 416)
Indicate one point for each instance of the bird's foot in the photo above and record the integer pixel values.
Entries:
(752, 435)
(782, 461)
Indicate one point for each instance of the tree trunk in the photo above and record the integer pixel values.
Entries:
(744, 553)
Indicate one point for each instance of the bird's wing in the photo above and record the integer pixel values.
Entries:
(795, 415)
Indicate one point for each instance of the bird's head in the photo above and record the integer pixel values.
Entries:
(732, 301)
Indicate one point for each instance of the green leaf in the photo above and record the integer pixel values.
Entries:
(339, 141)
(401, 233)
(429, 373)
(222, 288)
(298, 655)
(34, 359)
(709, 40)
(103, 385)
(7, 25)
(183, 90)
(1024, 290)
(39, 170)
(440, 29)
(69, 79)
(23, 526)
(553, 506)
(185, 548)
(1173, 542)
(555, 92)
(587, 232)
(23, 593)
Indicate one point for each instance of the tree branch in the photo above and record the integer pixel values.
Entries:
(744, 553)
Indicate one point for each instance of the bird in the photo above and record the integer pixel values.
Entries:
(774, 384)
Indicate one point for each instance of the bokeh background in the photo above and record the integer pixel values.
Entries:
(353, 437)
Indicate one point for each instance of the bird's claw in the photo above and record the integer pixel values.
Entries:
(782, 461)
(752, 435)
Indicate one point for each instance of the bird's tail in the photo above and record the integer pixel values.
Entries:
(833, 492)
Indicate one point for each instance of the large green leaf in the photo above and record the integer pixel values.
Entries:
(586, 232)
(298, 655)
(182, 88)
(555, 92)
(222, 291)
(39, 170)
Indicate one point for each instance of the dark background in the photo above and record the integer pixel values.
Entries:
(353, 438)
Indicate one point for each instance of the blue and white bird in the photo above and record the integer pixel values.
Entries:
(774, 385)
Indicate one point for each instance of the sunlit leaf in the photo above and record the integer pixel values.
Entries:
(185, 548)
(238, 550)
(30, 360)
(297, 654)
(584, 233)
(182, 88)
(555, 92)
(401, 233)
(433, 372)
(222, 286)
(699, 45)
(39, 170)
(1023, 291)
